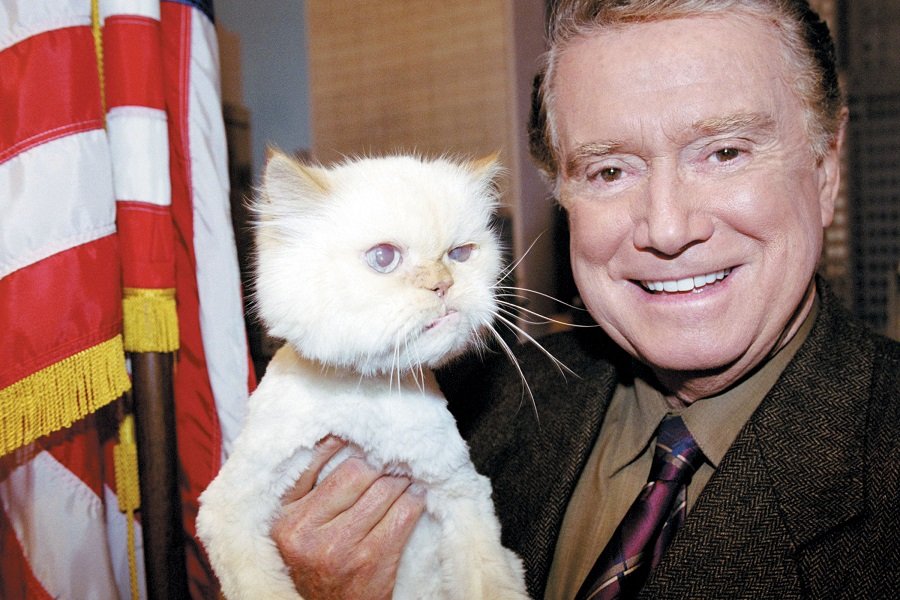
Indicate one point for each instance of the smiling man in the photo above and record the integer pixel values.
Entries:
(733, 432)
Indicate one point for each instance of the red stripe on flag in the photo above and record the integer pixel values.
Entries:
(133, 62)
(58, 306)
(79, 448)
(146, 244)
(197, 422)
(17, 580)
(49, 89)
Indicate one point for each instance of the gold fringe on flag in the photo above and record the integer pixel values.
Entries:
(58, 395)
(128, 490)
(97, 30)
(150, 320)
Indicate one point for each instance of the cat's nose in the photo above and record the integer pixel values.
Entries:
(435, 277)
(441, 287)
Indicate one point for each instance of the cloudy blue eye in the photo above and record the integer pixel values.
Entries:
(461, 253)
(383, 258)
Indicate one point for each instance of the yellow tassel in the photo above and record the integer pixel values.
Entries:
(128, 490)
(97, 30)
(150, 320)
(66, 391)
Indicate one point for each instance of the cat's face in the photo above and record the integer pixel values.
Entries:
(377, 264)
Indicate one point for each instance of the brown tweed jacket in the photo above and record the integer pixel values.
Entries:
(805, 504)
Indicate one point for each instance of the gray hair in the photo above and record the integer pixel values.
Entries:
(808, 51)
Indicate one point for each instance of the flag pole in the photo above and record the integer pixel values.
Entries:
(163, 535)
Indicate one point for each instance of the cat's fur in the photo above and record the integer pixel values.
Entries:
(356, 364)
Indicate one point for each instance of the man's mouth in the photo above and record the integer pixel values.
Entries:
(688, 284)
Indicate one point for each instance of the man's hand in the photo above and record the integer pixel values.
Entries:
(344, 537)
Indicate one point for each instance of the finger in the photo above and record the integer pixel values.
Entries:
(323, 452)
(373, 505)
(392, 532)
(340, 490)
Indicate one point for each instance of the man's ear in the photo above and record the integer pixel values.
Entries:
(829, 168)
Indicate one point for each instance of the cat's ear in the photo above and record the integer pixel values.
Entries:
(487, 167)
(288, 183)
(487, 171)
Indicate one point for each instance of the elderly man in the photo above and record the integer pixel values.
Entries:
(733, 433)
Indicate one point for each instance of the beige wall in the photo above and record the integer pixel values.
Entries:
(409, 75)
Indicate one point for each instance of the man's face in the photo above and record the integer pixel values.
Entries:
(696, 206)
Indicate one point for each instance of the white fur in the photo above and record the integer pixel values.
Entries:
(355, 366)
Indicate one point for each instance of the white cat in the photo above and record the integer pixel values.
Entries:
(373, 271)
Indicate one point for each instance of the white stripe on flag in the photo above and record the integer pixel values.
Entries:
(21, 19)
(53, 197)
(218, 280)
(143, 8)
(136, 134)
(61, 527)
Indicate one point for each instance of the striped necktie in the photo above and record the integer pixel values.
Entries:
(650, 524)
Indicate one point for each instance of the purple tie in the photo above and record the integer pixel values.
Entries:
(650, 524)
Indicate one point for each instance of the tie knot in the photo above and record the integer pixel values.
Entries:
(677, 454)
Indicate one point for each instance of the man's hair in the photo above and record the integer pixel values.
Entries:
(808, 54)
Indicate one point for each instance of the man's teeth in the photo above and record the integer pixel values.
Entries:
(687, 284)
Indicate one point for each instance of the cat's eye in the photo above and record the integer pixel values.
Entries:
(383, 258)
(461, 253)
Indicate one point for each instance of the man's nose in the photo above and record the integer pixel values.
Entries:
(671, 215)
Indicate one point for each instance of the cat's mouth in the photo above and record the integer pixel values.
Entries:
(450, 314)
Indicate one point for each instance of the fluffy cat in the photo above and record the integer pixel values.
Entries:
(374, 271)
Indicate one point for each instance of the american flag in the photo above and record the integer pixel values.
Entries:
(115, 236)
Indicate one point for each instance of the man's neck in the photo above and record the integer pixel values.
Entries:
(689, 386)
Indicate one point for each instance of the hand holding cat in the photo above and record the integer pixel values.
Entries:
(344, 537)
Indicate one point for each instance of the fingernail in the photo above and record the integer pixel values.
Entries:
(330, 441)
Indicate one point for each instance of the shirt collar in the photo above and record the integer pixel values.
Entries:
(714, 422)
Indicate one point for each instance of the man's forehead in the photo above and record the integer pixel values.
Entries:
(683, 48)
(613, 83)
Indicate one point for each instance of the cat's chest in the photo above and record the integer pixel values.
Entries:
(406, 424)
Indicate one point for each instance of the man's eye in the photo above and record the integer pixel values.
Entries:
(609, 174)
(726, 154)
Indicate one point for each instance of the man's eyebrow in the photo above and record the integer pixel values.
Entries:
(760, 122)
(728, 124)
(589, 150)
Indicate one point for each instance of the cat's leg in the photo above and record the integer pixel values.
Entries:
(419, 575)
(475, 558)
(235, 519)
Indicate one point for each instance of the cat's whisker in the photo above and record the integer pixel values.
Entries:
(545, 319)
(395, 365)
(526, 389)
(561, 366)
(548, 296)
(401, 352)
(509, 269)
(417, 372)
(515, 315)
(421, 373)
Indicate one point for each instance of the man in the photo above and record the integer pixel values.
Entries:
(695, 147)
